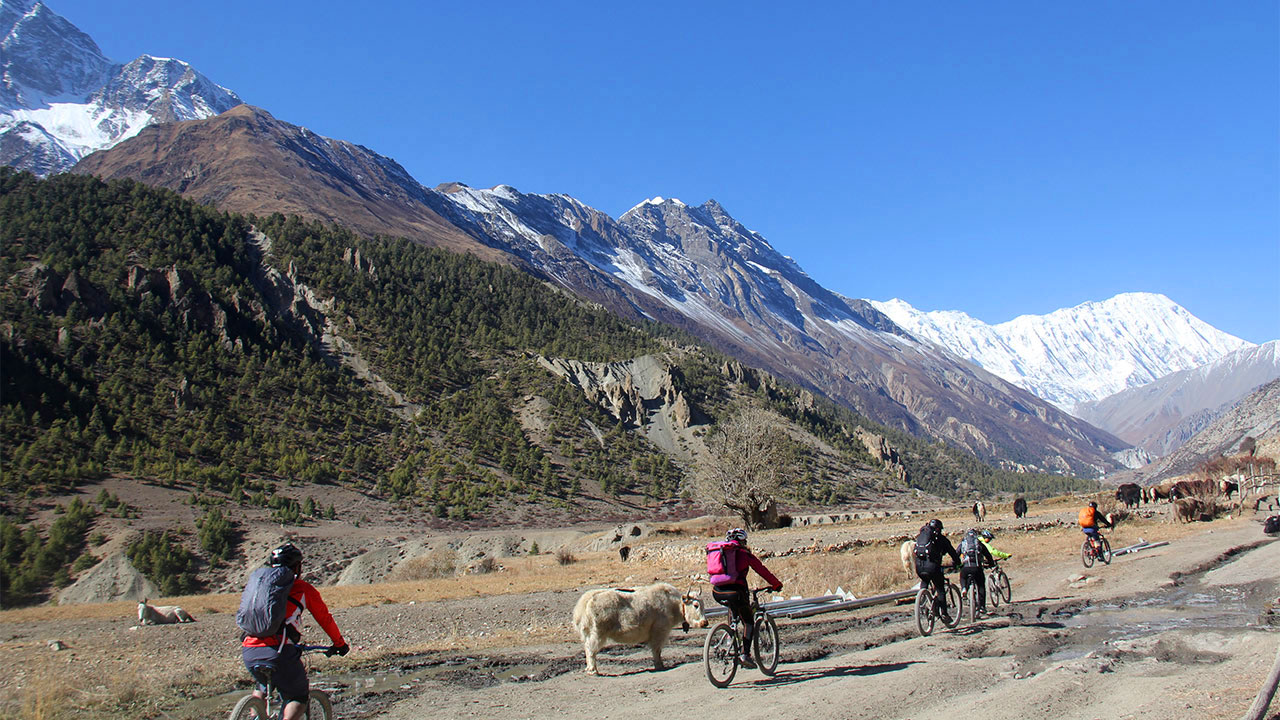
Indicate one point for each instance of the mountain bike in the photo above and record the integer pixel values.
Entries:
(1092, 550)
(251, 707)
(722, 647)
(928, 609)
(998, 588)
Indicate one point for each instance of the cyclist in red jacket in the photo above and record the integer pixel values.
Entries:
(281, 651)
(733, 593)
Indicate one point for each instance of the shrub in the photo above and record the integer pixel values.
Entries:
(564, 557)
(435, 564)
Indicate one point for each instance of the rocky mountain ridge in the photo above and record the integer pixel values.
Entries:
(1256, 416)
(1162, 415)
(696, 268)
(61, 98)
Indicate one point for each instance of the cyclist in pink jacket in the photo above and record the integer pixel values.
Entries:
(732, 592)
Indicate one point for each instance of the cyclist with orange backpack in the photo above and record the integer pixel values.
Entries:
(1089, 519)
(728, 563)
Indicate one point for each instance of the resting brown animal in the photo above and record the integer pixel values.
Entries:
(643, 616)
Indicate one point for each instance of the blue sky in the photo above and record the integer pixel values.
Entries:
(998, 158)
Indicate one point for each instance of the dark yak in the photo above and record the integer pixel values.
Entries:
(1130, 494)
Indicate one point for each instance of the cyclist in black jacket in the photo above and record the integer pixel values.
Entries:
(931, 545)
(975, 556)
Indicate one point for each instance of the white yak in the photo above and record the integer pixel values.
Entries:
(643, 616)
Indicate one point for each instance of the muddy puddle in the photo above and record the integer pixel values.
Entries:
(1188, 605)
(364, 692)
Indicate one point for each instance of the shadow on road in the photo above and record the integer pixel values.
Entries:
(791, 677)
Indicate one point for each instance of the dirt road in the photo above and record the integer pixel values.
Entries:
(1131, 643)
(1181, 631)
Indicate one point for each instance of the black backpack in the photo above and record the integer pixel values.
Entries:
(264, 604)
(1271, 525)
(924, 543)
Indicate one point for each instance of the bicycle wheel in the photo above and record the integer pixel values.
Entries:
(249, 708)
(1086, 554)
(971, 602)
(955, 604)
(924, 611)
(1006, 591)
(993, 588)
(765, 644)
(318, 706)
(720, 655)
(1104, 553)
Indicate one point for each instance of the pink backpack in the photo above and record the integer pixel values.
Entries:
(722, 562)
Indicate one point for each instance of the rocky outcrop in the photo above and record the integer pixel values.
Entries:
(351, 256)
(50, 291)
(111, 580)
(630, 391)
(176, 289)
(880, 449)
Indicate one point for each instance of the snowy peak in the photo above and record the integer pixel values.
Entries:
(61, 99)
(44, 58)
(1077, 354)
(167, 89)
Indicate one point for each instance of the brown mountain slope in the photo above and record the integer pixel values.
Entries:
(245, 160)
(700, 270)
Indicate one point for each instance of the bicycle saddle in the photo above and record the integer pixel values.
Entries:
(262, 673)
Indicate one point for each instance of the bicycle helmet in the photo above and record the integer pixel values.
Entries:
(737, 535)
(287, 555)
(936, 524)
(1093, 504)
(987, 534)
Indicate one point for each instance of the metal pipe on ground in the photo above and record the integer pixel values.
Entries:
(849, 604)
(772, 607)
(1139, 547)
(805, 607)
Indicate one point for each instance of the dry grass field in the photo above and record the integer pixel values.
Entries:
(149, 671)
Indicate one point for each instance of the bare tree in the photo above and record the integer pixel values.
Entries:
(751, 459)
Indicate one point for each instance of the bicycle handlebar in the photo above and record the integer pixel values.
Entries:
(314, 648)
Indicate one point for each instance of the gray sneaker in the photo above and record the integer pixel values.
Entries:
(745, 660)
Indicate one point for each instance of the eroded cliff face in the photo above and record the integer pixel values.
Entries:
(641, 393)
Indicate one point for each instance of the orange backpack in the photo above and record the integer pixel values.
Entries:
(1088, 517)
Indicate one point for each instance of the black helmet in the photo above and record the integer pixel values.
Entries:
(987, 534)
(737, 535)
(936, 524)
(1093, 504)
(286, 555)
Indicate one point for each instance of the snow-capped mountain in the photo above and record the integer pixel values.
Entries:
(61, 99)
(693, 267)
(1078, 354)
(1162, 415)
(698, 268)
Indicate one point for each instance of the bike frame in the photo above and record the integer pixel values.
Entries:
(271, 692)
